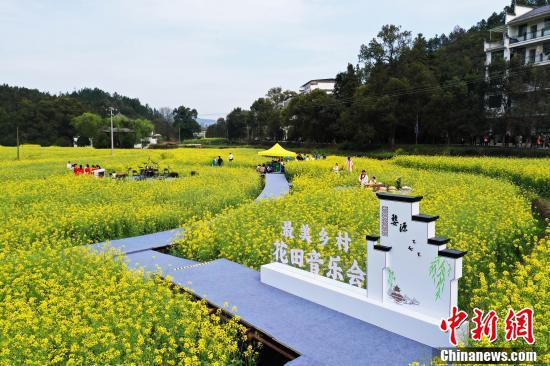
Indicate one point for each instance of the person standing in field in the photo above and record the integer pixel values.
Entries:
(349, 165)
(220, 161)
(230, 157)
(336, 168)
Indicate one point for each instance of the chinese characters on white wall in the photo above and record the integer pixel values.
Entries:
(312, 259)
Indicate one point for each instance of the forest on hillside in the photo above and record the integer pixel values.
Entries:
(403, 88)
(47, 119)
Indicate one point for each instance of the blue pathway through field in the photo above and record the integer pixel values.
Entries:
(276, 185)
(320, 335)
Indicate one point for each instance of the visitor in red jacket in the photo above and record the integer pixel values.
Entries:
(78, 170)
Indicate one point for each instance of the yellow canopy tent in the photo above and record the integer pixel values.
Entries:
(277, 151)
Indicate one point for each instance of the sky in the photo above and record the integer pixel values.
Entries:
(211, 55)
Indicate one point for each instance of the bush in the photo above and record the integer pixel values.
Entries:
(83, 141)
(63, 141)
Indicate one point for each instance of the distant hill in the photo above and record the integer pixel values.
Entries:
(45, 118)
(205, 122)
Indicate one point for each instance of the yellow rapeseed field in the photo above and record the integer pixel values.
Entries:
(533, 174)
(59, 305)
(488, 217)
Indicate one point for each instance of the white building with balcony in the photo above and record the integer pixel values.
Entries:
(526, 34)
(525, 37)
(327, 85)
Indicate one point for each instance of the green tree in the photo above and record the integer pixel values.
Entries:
(185, 119)
(279, 96)
(142, 129)
(386, 48)
(218, 129)
(237, 124)
(346, 84)
(265, 119)
(88, 125)
(356, 122)
(313, 117)
(530, 2)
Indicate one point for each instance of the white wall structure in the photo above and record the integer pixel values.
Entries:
(326, 85)
(412, 278)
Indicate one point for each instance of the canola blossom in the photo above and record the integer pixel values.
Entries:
(533, 174)
(490, 218)
(61, 305)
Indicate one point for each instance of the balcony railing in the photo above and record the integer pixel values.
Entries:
(541, 57)
(494, 45)
(530, 35)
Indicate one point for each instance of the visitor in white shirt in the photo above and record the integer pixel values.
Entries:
(99, 172)
(349, 164)
(364, 179)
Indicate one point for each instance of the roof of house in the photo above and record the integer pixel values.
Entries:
(320, 80)
(535, 13)
(118, 129)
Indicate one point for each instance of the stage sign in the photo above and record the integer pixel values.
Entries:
(411, 277)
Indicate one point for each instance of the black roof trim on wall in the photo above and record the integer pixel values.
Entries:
(451, 253)
(437, 240)
(424, 218)
(372, 237)
(382, 248)
(398, 197)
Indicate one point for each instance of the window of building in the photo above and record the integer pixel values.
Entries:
(497, 56)
(533, 31)
(522, 31)
(495, 101)
(546, 48)
(518, 54)
(532, 53)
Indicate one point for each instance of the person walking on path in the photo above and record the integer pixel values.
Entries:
(230, 157)
(349, 165)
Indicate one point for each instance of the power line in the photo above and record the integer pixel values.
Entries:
(420, 90)
(428, 89)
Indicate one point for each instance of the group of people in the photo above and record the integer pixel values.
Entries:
(276, 166)
(366, 183)
(363, 177)
(348, 167)
(315, 156)
(219, 161)
(94, 170)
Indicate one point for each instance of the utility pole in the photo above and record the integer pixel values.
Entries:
(17, 136)
(416, 130)
(111, 109)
